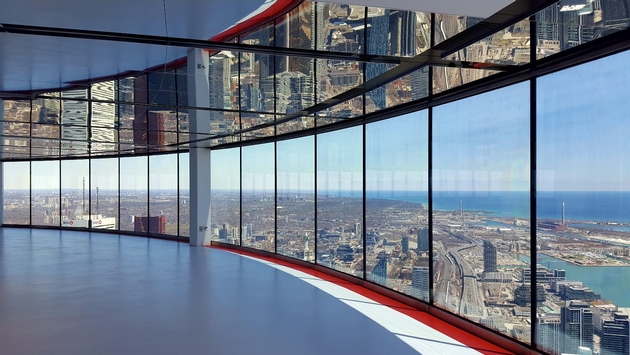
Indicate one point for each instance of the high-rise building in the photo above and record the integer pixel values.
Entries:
(420, 282)
(576, 324)
(152, 224)
(615, 337)
(423, 240)
(405, 244)
(379, 273)
(489, 257)
(548, 333)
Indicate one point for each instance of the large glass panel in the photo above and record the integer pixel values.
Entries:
(134, 188)
(17, 111)
(481, 209)
(258, 199)
(257, 72)
(225, 192)
(184, 195)
(340, 200)
(104, 124)
(583, 207)
(104, 193)
(296, 198)
(397, 243)
(571, 23)
(16, 193)
(75, 193)
(45, 193)
(340, 28)
(163, 194)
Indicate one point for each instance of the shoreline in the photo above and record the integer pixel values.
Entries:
(583, 265)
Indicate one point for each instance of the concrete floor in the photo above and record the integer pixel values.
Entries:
(68, 292)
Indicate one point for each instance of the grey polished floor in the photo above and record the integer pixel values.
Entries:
(67, 292)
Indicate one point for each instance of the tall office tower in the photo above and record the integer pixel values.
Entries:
(420, 282)
(357, 228)
(548, 333)
(489, 257)
(153, 224)
(615, 338)
(234, 234)
(405, 244)
(219, 80)
(223, 233)
(576, 323)
(423, 240)
(379, 273)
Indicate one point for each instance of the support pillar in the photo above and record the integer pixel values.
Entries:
(198, 96)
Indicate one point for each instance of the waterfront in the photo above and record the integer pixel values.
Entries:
(604, 280)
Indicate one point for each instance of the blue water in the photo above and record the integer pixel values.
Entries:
(608, 281)
(587, 206)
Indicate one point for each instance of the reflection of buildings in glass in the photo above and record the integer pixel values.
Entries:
(84, 122)
(420, 282)
(379, 273)
(576, 323)
(74, 123)
(152, 224)
(403, 33)
(378, 43)
(150, 131)
(103, 116)
(489, 257)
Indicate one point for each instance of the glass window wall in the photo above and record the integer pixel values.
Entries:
(258, 197)
(340, 200)
(134, 189)
(225, 196)
(45, 204)
(296, 198)
(75, 193)
(104, 193)
(583, 207)
(481, 209)
(397, 234)
(163, 207)
(16, 192)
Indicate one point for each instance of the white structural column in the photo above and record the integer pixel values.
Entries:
(198, 96)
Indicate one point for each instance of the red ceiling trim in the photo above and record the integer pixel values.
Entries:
(277, 9)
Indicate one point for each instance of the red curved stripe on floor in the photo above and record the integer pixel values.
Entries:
(458, 334)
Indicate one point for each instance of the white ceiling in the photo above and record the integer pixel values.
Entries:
(36, 62)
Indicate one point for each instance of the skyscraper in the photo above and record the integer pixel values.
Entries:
(420, 282)
(379, 273)
(548, 333)
(153, 224)
(576, 323)
(489, 257)
(423, 240)
(615, 338)
(405, 244)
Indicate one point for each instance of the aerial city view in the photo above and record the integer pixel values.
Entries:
(357, 199)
